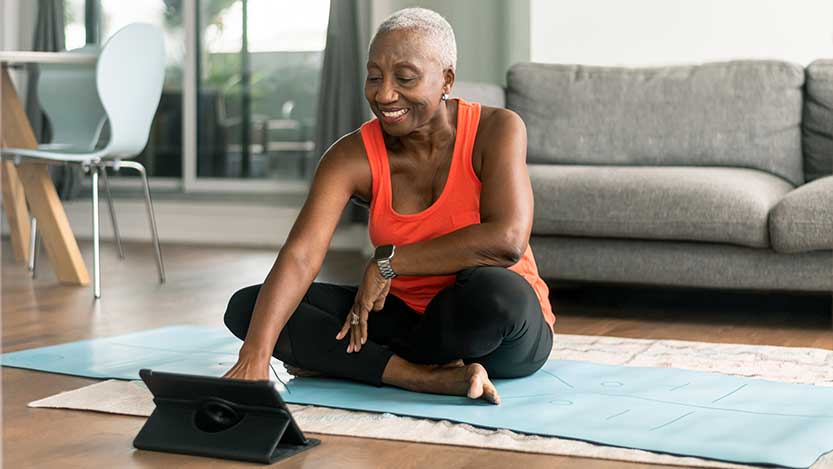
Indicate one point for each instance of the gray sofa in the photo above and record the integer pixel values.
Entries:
(716, 175)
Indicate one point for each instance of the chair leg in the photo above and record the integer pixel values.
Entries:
(151, 216)
(116, 233)
(34, 244)
(96, 253)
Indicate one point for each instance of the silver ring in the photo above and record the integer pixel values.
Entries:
(355, 319)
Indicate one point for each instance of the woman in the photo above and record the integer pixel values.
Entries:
(452, 296)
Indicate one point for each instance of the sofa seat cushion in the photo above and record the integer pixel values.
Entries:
(708, 204)
(803, 220)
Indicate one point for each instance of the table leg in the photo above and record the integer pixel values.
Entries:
(14, 200)
(39, 190)
(14, 203)
(53, 225)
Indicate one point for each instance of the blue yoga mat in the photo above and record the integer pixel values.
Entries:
(657, 409)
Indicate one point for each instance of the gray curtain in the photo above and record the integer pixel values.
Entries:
(341, 104)
(49, 37)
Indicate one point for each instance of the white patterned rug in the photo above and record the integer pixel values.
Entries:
(793, 365)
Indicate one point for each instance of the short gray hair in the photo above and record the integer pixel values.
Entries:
(436, 29)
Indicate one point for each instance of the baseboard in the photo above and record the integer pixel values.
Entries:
(203, 222)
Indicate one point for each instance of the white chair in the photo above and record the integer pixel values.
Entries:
(129, 77)
(68, 96)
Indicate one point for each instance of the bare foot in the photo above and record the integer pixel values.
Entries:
(479, 384)
(452, 378)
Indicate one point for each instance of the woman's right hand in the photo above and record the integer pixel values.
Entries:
(249, 368)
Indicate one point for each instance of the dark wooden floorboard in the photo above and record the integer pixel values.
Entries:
(39, 312)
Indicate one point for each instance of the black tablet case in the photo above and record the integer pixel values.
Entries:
(266, 433)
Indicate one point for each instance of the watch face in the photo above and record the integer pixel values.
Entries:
(384, 252)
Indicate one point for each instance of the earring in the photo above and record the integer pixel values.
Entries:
(444, 97)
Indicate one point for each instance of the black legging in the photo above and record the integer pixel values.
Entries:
(490, 315)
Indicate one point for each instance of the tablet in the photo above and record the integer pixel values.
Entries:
(219, 417)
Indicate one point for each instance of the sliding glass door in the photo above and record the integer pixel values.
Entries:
(259, 63)
(93, 22)
(239, 106)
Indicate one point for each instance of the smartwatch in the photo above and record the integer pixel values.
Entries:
(383, 256)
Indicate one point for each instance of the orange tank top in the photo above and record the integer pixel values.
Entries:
(457, 207)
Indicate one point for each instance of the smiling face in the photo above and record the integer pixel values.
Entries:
(405, 81)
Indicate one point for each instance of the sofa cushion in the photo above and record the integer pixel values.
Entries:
(803, 220)
(721, 205)
(743, 114)
(817, 126)
(680, 263)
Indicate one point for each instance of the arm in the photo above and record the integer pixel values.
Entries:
(506, 206)
(301, 257)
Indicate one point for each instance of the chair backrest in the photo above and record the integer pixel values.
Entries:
(69, 98)
(129, 76)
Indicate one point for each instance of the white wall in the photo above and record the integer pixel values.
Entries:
(491, 34)
(657, 32)
(17, 24)
(17, 29)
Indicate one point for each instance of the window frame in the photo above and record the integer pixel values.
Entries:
(190, 182)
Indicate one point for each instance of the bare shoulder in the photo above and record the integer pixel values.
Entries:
(499, 129)
(346, 148)
(497, 121)
(347, 157)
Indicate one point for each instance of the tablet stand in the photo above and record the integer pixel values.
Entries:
(254, 433)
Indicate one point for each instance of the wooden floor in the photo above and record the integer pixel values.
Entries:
(40, 312)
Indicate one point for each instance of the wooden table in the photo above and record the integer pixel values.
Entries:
(30, 181)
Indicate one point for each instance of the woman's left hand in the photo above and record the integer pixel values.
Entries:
(371, 296)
